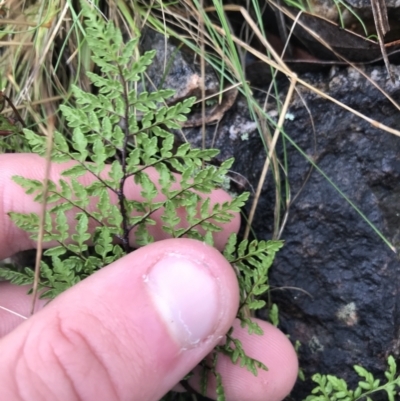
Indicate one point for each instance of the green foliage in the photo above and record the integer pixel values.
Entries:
(331, 388)
(10, 131)
(118, 137)
(234, 350)
(252, 261)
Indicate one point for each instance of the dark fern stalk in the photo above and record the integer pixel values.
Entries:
(121, 196)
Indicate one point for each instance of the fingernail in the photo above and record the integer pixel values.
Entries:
(187, 297)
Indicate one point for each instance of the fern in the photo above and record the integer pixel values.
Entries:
(128, 131)
(252, 261)
(332, 388)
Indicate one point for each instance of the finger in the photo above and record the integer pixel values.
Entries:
(14, 199)
(129, 332)
(14, 306)
(273, 349)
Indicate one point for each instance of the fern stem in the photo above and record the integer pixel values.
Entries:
(121, 195)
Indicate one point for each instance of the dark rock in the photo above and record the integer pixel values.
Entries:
(366, 4)
(182, 67)
(183, 74)
(346, 308)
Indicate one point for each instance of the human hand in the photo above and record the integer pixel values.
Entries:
(134, 329)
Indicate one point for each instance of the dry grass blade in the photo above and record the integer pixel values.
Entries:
(271, 150)
(203, 75)
(323, 42)
(284, 69)
(22, 23)
(257, 32)
(13, 312)
(15, 43)
(264, 129)
(40, 61)
(45, 51)
(48, 132)
(35, 103)
(379, 11)
(289, 200)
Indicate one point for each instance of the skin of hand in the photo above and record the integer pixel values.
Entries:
(134, 329)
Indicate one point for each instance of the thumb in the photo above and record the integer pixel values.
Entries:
(129, 332)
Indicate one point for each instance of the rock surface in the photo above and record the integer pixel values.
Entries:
(366, 4)
(183, 75)
(335, 281)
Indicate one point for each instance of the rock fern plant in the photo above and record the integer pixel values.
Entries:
(129, 132)
(332, 388)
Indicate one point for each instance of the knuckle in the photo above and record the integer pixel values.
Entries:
(79, 353)
(65, 360)
(80, 358)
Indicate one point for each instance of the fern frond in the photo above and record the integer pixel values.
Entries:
(331, 388)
